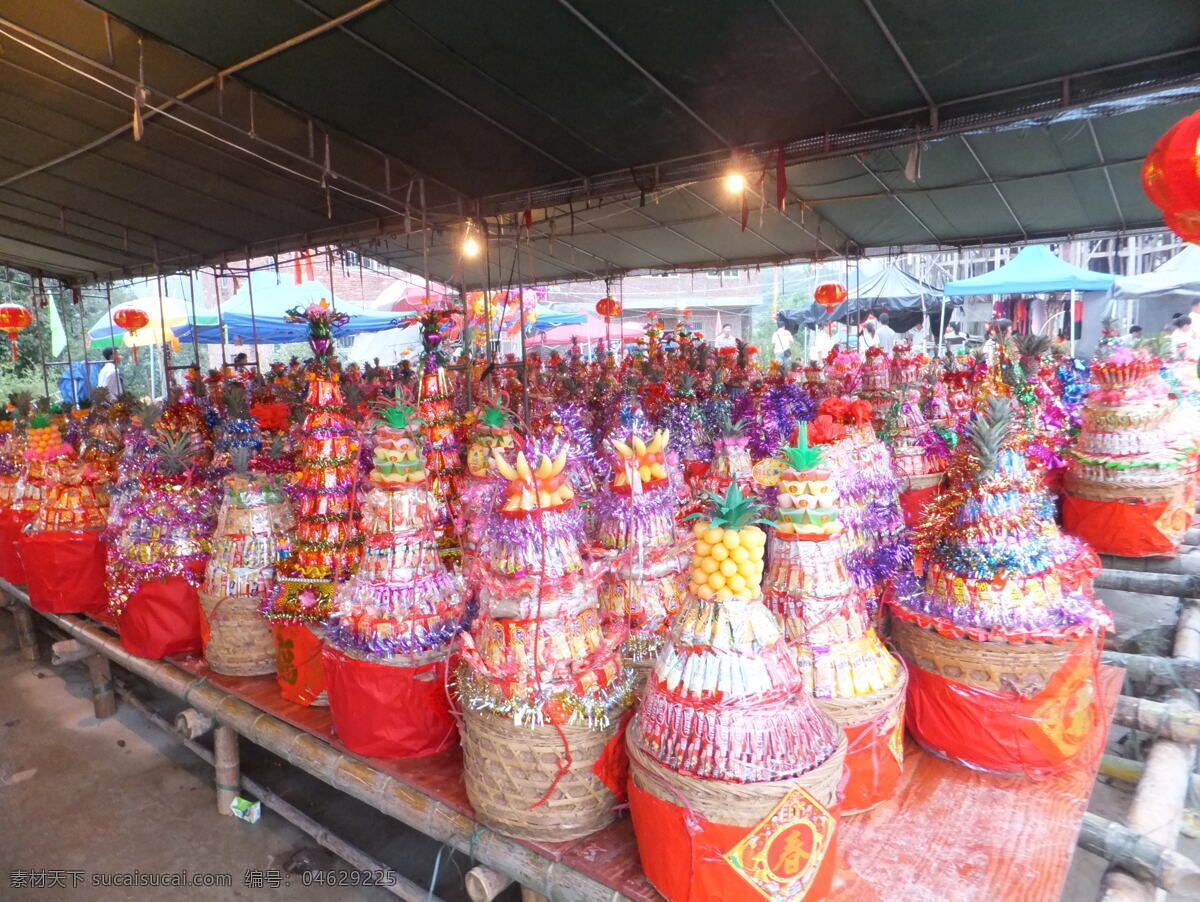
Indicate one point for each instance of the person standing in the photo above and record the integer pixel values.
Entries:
(109, 377)
(886, 334)
(781, 344)
(725, 339)
(868, 334)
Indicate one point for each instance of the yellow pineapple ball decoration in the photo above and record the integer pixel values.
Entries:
(728, 559)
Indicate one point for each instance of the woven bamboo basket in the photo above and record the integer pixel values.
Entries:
(924, 481)
(850, 712)
(240, 641)
(510, 769)
(997, 666)
(722, 802)
(1124, 491)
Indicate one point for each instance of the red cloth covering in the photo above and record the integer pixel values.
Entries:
(683, 854)
(161, 618)
(11, 523)
(913, 503)
(64, 571)
(1126, 528)
(388, 711)
(874, 761)
(1008, 733)
(299, 670)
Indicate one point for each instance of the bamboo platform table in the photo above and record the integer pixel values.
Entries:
(949, 834)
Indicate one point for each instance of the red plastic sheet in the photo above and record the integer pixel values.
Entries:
(64, 571)
(299, 670)
(874, 761)
(683, 854)
(1127, 528)
(161, 618)
(1008, 733)
(11, 524)
(386, 711)
(913, 502)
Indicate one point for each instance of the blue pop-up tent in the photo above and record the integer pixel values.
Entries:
(1035, 270)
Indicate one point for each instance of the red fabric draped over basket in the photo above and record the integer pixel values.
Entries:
(913, 503)
(874, 762)
(299, 670)
(1006, 732)
(64, 571)
(686, 858)
(389, 711)
(161, 618)
(1128, 529)
(11, 524)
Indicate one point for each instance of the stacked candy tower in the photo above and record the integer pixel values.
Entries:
(326, 542)
(12, 467)
(810, 588)
(61, 551)
(920, 452)
(636, 520)
(1130, 489)
(393, 623)
(876, 381)
(732, 762)
(159, 543)
(1004, 644)
(252, 526)
(481, 487)
(542, 682)
(435, 407)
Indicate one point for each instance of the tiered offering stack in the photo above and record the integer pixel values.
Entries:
(542, 683)
(61, 551)
(824, 613)
(636, 521)
(1130, 486)
(253, 523)
(876, 387)
(393, 623)
(731, 761)
(920, 452)
(489, 427)
(326, 542)
(159, 544)
(1004, 644)
(435, 407)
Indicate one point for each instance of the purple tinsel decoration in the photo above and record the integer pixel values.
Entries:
(782, 407)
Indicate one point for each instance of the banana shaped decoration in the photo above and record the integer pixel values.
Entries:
(541, 487)
(641, 464)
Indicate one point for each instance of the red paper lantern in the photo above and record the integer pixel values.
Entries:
(1171, 177)
(608, 306)
(14, 319)
(131, 319)
(829, 295)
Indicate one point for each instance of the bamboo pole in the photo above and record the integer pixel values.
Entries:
(1156, 811)
(1170, 672)
(104, 703)
(68, 651)
(227, 767)
(401, 886)
(1178, 585)
(347, 773)
(483, 884)
(1181, 563)
(1140, 856)
(1176, 719)
(26, 635)
(1129, 771)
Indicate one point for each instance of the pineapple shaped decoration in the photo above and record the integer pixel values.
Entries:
(806, 493)
(728, 559)
(492, 429)
(398, 458)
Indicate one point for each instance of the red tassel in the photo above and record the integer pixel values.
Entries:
(781, 182)
(528, 220)
(745, 211)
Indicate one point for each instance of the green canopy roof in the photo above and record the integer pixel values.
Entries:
(279, 124)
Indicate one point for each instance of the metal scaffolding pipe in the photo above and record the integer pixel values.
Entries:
(347, 773)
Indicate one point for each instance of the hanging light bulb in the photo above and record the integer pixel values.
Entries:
(735, 183)
(470, 247)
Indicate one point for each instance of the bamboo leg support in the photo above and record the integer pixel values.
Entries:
(1129, 771)
(1141, 856)
(1175, 720)
(26, 634)
(528, 895)
(225, 762)
(1171, 672)
(1180, 585)
(104, 702)
(483, 884)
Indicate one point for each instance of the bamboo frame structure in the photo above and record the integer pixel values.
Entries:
(554, 880)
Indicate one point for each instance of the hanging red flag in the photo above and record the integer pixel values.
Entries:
(781, 182)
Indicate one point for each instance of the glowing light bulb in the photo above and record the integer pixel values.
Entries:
(470, 247)
(735, 183)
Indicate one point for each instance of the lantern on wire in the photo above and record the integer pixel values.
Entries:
(829, 295)
(1171, 180)
(131, 319)
(14, 319)
(608, 306)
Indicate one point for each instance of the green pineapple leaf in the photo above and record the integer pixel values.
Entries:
(801, 456)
